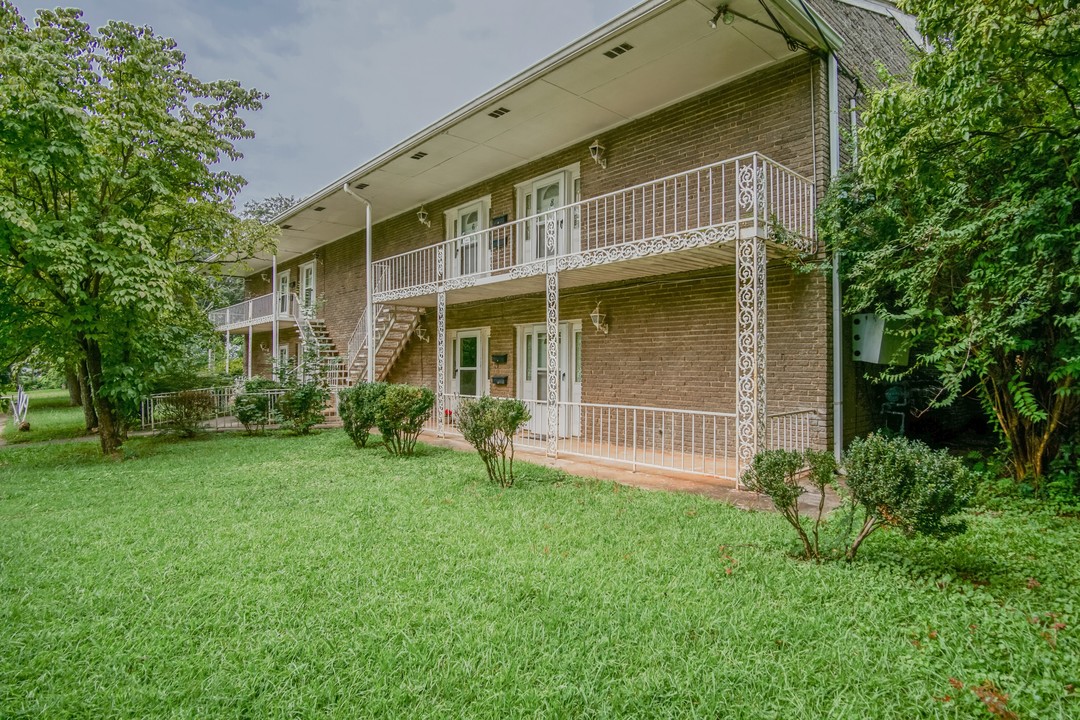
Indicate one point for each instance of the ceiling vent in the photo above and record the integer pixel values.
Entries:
(418, 155)
(619, 50)
(319, 209)
(360, 186)
(498, 112)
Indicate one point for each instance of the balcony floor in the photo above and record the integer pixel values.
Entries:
(500, 284)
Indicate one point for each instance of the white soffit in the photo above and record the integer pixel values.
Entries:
(563, 100)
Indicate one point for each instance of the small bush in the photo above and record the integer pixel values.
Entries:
(301, 407)
(357, 407)
(489, 424)
(781, 474)
(400, 416)
(253, 411)
(904, 484)
(186, 410)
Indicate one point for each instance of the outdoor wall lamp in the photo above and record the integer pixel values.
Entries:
(422, 216)
(421, 334)
(597, 318)
(722, 14)
(596, 152)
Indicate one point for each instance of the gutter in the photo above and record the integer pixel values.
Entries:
(837, 295)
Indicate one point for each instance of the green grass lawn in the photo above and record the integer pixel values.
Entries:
(299, 577)
(51, 417)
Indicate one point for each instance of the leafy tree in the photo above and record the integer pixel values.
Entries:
(268, 208)
(963, 217)
(113, 219)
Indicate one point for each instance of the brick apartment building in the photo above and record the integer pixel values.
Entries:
(607, 236)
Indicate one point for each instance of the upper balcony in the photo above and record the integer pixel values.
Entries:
(676, 223)
(256, 313)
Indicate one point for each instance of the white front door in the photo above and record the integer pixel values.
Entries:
(284, 278)
(532, 369)
(468, 375)
(543, 201)
(307, 288)
(469, 255)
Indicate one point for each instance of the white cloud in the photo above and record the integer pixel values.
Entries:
(350, 78)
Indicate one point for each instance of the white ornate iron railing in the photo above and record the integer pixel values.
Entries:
(791, 430)
(688, 441)
(707, 205)
(249, 312)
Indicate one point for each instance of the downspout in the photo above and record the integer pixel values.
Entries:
(369, 313)
(837, 297)
(277, 309)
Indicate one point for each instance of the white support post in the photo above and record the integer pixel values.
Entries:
(228, 341)
(751, 265)
(210, 360)
(250, 338)
(552, 283)
(440, 363)
(277, 307)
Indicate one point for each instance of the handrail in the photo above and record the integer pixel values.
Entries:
(748, 192)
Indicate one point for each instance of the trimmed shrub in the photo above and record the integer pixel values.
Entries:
(186, 410)
(904, 484)
(489, 424)
(252, 407)
(301, 407)
(357, 407)
(400, 416)
(782, 476)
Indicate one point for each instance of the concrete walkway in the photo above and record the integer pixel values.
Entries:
(648, 479)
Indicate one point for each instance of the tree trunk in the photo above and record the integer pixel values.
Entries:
(110, 423)
(86, 396)
(71, 379)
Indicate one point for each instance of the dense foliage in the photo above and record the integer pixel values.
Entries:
(400, 416)
(357, 407)
(300, 407)
(963, 218)
(113, 221)
(489, 425)
(252, 407)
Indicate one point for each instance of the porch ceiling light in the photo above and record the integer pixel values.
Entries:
(722, 14)
(597, 318)
(422, 216)
(596, 152)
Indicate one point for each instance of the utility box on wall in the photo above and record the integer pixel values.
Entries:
(874, 340)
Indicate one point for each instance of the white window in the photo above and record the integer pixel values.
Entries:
(472, 250)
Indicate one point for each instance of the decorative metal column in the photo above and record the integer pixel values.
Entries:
(440, 365)
(750, 302)
(552, 277)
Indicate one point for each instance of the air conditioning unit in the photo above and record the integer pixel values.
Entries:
(876, 340)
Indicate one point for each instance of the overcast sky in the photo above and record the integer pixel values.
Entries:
(348, 79)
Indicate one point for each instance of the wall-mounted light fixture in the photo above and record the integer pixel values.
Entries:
(421, 334)
(596, 152)
(597, 318)
(724, 15)
(422, 216)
